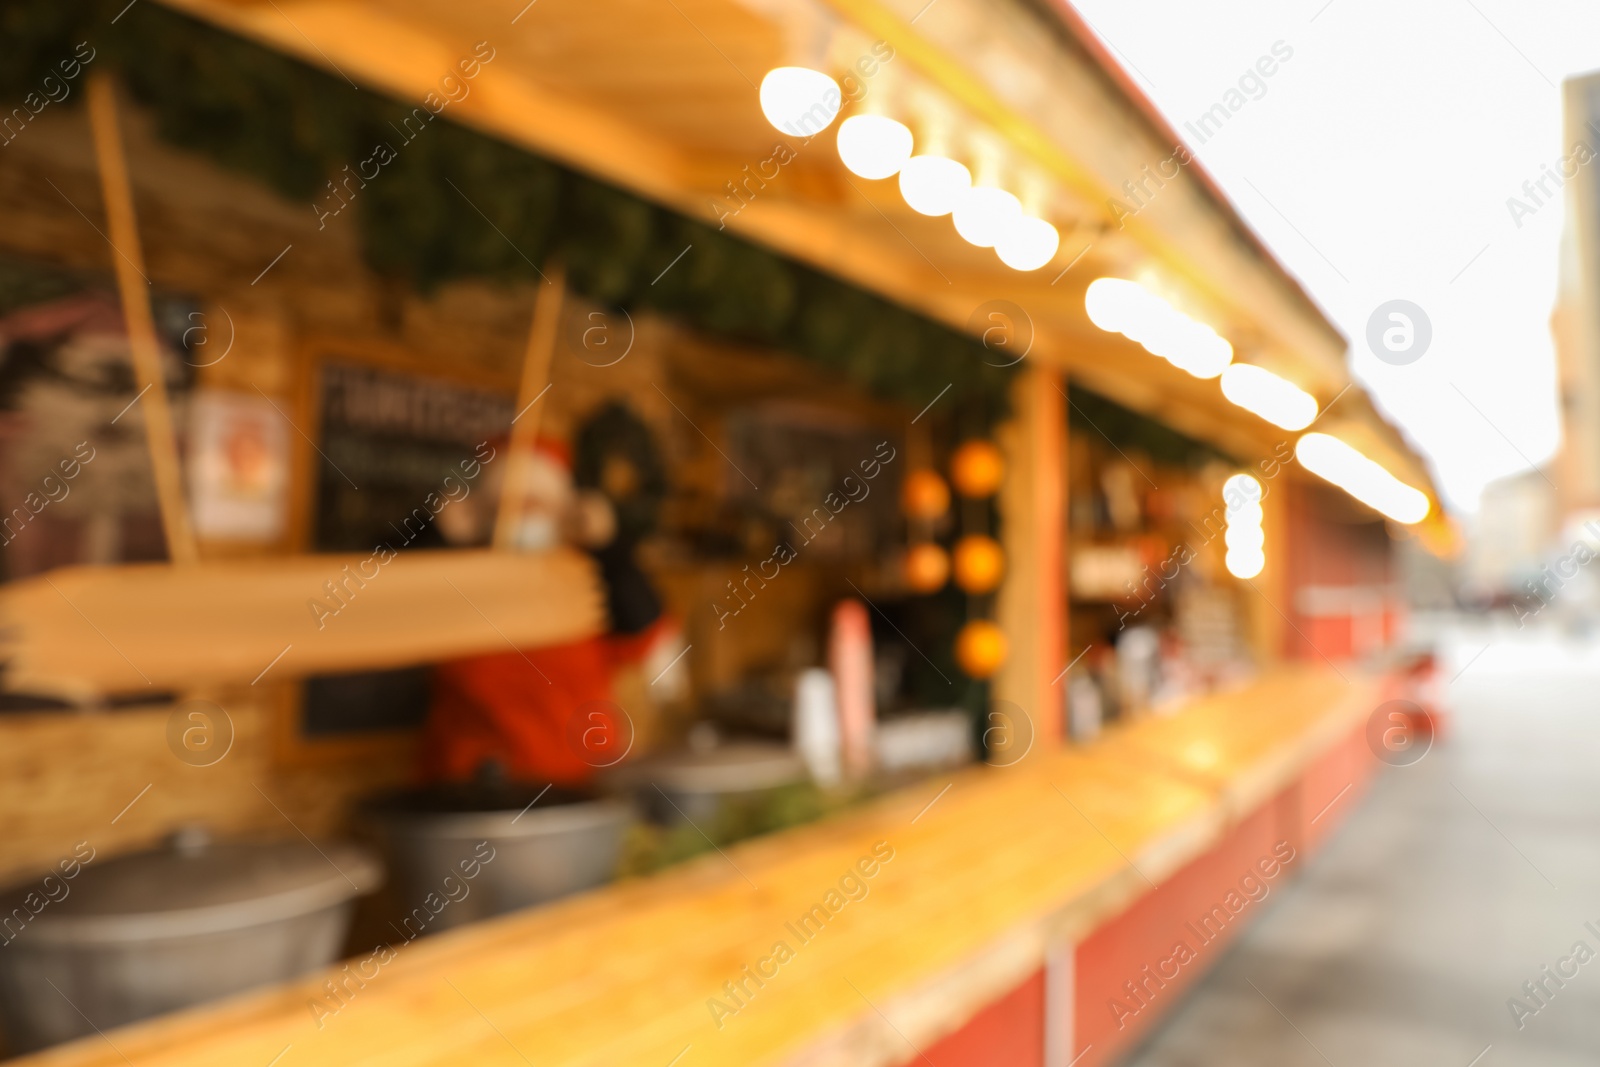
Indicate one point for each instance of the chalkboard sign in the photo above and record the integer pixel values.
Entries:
(388, 440)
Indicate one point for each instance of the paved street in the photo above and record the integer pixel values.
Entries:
(1457, 880)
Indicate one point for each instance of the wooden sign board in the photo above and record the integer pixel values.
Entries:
(83, 632)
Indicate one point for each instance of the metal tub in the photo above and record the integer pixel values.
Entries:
(152, 932)
(526, 845)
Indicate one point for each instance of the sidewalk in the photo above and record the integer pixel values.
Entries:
(1460, 879)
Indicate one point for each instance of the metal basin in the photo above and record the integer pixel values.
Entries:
(152, 932)
(693, 784)
(527, 845)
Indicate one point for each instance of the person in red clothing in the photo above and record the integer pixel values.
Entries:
(546, 714)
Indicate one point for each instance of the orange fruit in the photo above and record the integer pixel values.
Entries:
(977, 468)
(924, 495)
(927, 567)
(980, 648)
(979, 563)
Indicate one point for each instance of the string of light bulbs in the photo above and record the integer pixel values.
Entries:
(1244, 536)
(803, 102)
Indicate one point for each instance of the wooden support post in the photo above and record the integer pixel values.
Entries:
(535, 380)
(1265, 628)
(134, 287)
(1032, 526)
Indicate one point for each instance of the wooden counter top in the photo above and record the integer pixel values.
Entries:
(984, 876)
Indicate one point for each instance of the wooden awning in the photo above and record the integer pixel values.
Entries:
(662, 100)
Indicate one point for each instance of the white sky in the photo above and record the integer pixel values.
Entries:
(1391, 142)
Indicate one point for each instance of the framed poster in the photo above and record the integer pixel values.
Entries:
(238, 467)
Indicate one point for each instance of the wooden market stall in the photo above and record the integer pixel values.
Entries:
(582, 224)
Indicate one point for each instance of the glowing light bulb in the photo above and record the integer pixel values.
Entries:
(1119, 306)
(933, 184)
(984, 213)
(1333, 460)
(1110, 302)
(1280, 402)
(1247, 512)
(1240, 490)
(800, 101)
(1210, 353)
(1242, 536)
(1028, 244)
(1245, 563)
(874, 146)
(1162, 331)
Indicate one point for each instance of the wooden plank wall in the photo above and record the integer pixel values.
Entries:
(112, 780)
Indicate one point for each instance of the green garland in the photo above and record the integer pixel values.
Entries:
(1124, 428)
(293, 127)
